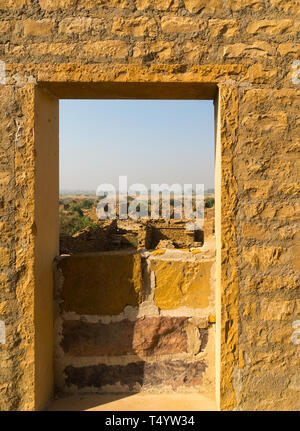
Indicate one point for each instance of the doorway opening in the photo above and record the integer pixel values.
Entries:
(135, 307)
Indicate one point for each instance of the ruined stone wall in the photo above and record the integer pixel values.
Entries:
(147, 326)
(249, 49)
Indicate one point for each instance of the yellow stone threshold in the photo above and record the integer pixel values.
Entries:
(134, 402)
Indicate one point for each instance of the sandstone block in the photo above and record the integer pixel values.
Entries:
(5, 229)
(53, 49)
(276, 310)
(290, 49)
(146, 375)
(52, 5)
(156, 4)
(296, 236)
(289, 189)
(249, 310)
(90, 4)
(134, 27)
(43, 27)
(243, 50)
(255, 231)
(287, 97)
(280, 335)
(258, 189)
(75, 25)
(160, 50)
(149, 336)
(270, 26)
(269, 284)
(296, 257)
(282, 5)
(237, 5)
(275, 122)
(107, 48)
(277, 211)
(3, 280)
(211, 318)
(178, 24)
(259, 74)
(195, 6)
(92, 285)
(255, 98)
(223, 27)
(181, 284)
(254, 328)
(5, 26)
(5, 177)
(4, 307)
(191, 54)
(263, 257)
(4, 256)
(12, 4)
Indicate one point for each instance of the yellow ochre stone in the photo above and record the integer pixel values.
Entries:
(158, 252)
(116, 283)
(211, 318)
(179, 284)
(196, 251)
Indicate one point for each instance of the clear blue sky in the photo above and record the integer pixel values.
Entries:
(150, 141)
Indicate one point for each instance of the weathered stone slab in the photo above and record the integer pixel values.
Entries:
(100, 283)
(181, 284)
(173, 374)
(149, 336)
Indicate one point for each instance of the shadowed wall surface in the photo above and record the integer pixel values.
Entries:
(147, 326)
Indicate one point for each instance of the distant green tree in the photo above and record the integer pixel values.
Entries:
(209, 202)
(87, 203)
(65, 200)
(82, 204)
(143, 206)
(70, 223)
(76, 207)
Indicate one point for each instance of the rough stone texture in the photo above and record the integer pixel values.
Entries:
(180, 284)
(176, 233)
(258, 87)
(16, 204)
(172, 374)
(149, 336)
(100, 284)
(135, 334)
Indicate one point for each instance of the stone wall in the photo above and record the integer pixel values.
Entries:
(245, 53)
(127, 322)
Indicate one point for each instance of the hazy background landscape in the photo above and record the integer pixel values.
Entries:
(150, 141)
